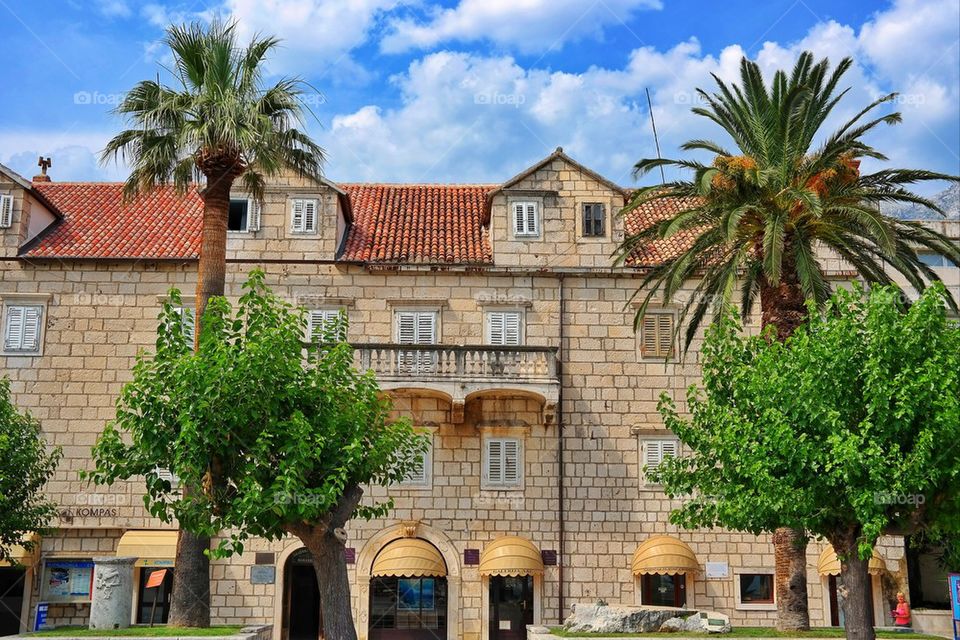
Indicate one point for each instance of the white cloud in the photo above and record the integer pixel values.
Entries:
(114, 8)
(519, 25)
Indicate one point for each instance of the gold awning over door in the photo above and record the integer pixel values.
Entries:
(411, 558)
(511, 556)
(664, 555)
(150, 548)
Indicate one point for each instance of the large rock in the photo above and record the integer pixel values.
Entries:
(699, 622)
(602, 618)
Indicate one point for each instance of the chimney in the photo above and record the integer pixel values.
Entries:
(44, 164)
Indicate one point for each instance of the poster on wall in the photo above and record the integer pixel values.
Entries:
(68, 581)
(415, 594)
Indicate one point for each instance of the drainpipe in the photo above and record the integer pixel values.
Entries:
(560, 495)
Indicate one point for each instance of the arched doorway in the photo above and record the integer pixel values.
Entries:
(408, 592)
(301, 598)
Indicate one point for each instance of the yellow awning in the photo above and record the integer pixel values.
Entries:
(409, 557)
(829, 563)
(511, 556)
(150, 548)
(21, 555)
(664, 555)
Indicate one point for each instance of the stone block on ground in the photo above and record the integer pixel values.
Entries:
(602, 618)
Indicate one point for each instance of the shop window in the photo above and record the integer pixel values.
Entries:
(668, 590)
(755, 590)
(408, 607)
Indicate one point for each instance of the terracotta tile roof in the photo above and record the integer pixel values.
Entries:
(657, 251)
(426, 223)
(97, 223)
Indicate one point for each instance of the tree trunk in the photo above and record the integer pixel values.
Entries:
(855, 575)
(783, 306)
(190, 595)
(790, 579)
(326, 543)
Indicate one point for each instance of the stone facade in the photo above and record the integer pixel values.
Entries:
(99, 314)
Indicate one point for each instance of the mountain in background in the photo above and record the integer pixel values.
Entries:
(948, 200)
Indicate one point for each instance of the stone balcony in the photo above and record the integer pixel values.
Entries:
(461, 373)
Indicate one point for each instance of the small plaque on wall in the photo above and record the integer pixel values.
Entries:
(351, 555)
(264, 557)
(471, 557)
(549, 557)
(717, 570)
(263, 574)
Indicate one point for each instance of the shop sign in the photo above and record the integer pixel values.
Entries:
(263, 574)
(41, 617)
(717, 570)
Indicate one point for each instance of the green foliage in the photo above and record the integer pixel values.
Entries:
(218, 115)
(25, 467)
(756, 217)
(852, 425)
(273, 430)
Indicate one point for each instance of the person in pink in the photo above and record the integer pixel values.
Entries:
(901, 615)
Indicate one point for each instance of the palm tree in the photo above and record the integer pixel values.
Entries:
(754, 221)
(216, 124)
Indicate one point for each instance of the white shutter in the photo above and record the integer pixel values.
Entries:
(6, 211)
(519, 221)
(321, 320)
(504, 462)
(503, 328)
(656, 451)
(416, 327)
(494, 469)
(511, 462)
(13, 329)
(310, 216)
(532, 218)
(407, 327)
(297, 220)
(253, 215)
(31, 329)
(187, 315)
(426, 327)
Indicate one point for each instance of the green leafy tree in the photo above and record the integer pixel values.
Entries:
(25, 466)
(216, 124)
(296, 437)
(848, 431)
(754, 219)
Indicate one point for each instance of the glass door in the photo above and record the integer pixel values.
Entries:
(511, 607)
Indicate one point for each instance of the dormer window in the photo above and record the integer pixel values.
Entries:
(526, 218)
(244, 215)
(303, 216)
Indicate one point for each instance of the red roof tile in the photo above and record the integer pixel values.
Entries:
(97, 223)
(426, 223)
(657, 251)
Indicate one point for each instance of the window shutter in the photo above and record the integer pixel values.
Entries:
(656, 335)
(511, 461)
(406, 328)
(418, 475)
(310, 216)
(665, 335)
(519, 222)
(495, 328)
(648, 335)
(511, 328)
(13, 337)
(668, 449)
(531, 218)
(426, 328)
(187, 314)
(652, 454)
(320, 321)
(31, 329)
(6, 211)
(297, 222)
(494, 470)
(253, 215)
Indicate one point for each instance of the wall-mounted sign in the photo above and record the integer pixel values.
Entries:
(67, 580)
(351, 555)
(471, 557)
(41, 617)
(263, 574)
(717, 570)
(953, 580)
(156, 562)
(549, 557)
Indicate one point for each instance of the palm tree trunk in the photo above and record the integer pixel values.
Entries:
(326, 543)
(190, 595)
(783, 307)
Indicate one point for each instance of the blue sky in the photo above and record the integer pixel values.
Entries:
(475, 90)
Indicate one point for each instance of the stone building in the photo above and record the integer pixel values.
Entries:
(493, 316)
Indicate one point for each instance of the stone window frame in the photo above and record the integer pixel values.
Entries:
(512, 201)
(428, 466)
(645, 436)
(520, 310)
(518, 434)
(641, 334)
(607, 220)
(739, 605)
(304, 231)
(14, 299)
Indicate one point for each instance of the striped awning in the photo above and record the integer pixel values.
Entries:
(664, 555)
(150, 548)
(511, 556)
(409, 557)
(829, 564)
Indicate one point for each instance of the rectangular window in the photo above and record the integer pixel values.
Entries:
(304, 215)
(503, 463)
(6, 211)
(756, 588)
(421, 476)
(656, 335)
(933, 259)
(504, 328)
(322, 321)
(417, 327)
(22, 328)
(526, 218)
(655, 451)
(594, 220)
(244, 215)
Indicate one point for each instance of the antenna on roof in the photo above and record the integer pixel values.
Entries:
(656, 139)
